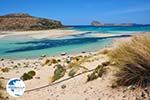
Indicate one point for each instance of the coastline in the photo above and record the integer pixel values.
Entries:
(66, 88)
(53, 33)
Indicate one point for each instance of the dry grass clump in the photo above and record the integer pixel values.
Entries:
(50, 61)
(105, 51)
(6, 69)
(2, 95)
(132, 57)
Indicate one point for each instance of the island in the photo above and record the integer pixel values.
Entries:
(98, 23)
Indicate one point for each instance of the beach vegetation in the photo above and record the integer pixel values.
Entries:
(32, 73)
(28, 76)
(98, 72)
(132, 60)
(72, 72)
(1, 91)
(50, 61)
(59, 72)
(6, 69)
(53, 61)
(73, 64)
(47, 61)
(104, 51)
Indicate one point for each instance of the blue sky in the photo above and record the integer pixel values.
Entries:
(82, 12)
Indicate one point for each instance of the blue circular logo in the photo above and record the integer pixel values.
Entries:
(15, 87)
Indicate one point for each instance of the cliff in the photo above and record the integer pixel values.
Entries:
(23, 22)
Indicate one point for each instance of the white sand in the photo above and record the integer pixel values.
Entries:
(76, 88)
(55, 33)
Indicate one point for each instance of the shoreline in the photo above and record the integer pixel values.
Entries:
(40, 33)
(53, 33)
(67, 87)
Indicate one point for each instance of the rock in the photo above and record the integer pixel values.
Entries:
(83, 52)
(143, 95)
(17, 71)
(37, 77)
(43, 56)
(1, 59)
(63, 53)
(131, 87)
(63, 86)
(106, 63)
(59, 60)
(96, 23)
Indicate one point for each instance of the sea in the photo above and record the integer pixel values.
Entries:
(87, 41)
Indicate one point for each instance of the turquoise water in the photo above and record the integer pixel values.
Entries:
(22, 47)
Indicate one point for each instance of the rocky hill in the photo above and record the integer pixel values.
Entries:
(23, 22)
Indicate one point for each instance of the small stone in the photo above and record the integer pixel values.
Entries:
(83, 52)
(131, 87)
(1, 59)
(17, 71)
(43, 56)
(59, 60)
(106, 63)
(137, 98)
(63, 86)
(63, 53)
(37, 77)
(142, 95)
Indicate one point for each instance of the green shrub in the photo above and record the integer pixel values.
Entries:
(98, 72)
(28, 76)
(72, 72)
(132, 58)
(32, 73)
(58, 73)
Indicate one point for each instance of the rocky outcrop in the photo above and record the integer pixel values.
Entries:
(23, 22)
(97, 23)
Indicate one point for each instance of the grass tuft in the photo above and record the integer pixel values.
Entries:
(132, 58)
(98, 72)
(6, 69)
(58, 73)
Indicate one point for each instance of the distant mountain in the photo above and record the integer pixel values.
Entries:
(23, 22)
(97, 23)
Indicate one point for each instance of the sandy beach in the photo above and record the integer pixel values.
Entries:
(55, 33)
(70, 88)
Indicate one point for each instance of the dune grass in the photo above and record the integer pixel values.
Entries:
(58, 73)
(132, 57)
(98, 72)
